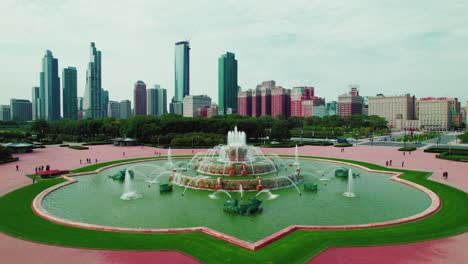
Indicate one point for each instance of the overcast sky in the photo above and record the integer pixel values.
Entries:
(390, 47)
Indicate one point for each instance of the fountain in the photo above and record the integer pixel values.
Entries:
(128, 193)
(350, 191)
(296, 157)
(241, 190)
(271, 196)
(213, 195)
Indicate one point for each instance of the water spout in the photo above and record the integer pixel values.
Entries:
(297, 188)
(271, 196)
(194, 178)
(350, 190)
(128, 192)
(213, 195)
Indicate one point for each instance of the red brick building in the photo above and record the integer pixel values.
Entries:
(350, 103)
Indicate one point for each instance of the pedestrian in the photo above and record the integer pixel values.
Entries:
(35, 169)
(192, 151)
(96, 160)
(410, 152)
(402, 163)
(386, 163)
(34, 180)
(123, 154)
(81, 162)
(17, 168)
(404, 153)
(390, 162)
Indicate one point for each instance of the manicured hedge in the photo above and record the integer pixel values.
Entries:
(407, 149)
(78, 147)
(452, 156)
(343, 145)
(64, 145)
(92, 143)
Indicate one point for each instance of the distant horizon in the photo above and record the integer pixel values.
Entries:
(393, 49)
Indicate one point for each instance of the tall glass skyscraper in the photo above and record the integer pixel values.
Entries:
(227, 83)
(49, 90)
(93, 92)
(104, 101)
(139, 98)
(35, 103)
(157, 101)
(182, 70)
(70, 99)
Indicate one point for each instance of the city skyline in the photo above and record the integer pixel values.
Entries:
(321, 46)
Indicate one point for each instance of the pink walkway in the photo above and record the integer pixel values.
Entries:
(450, 250)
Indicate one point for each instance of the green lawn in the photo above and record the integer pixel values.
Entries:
(18, 220)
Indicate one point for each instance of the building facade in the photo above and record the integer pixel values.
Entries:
(70, 98)
(395, 109)
(104, 101)
(332, 108)
(36, 102)
(302, 101)
(139, 98)
(244, 103)
(5, 113)
(21, 109)
(227, 83)
(280, 102)
(156, 101)
(182, 76)
(80, 107)
(113, 109)
(435, 113)
(125, 109)
(93, 92)
(49, 89)
(350, 103)
(192, 103)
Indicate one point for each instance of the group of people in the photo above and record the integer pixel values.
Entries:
(88, 161)
(388, 163)
(41, 168)
(404, 153)
(445, 174)
(157, 153)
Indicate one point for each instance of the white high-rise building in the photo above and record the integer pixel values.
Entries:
(435, 113)
(395, 109)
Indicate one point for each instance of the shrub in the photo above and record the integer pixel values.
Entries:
(407, 149)
(78, 147)
(64, 145)
(93, 143)
(452, 156)
(343, 145)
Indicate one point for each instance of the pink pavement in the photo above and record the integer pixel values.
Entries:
(450, 250)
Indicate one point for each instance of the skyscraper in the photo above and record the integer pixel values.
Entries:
(35, 103)
(227, 83)
(182, 70)
(350, 103)
(70, 99)
(49, 91)
(21, 109)
(181, 76)
(156, 101)
(139, 98)
(5, 113)
(93, 92)
(302, 99)
(125, 109)
(193, 102)
(80, 107)
(113, 109)
(104, 101)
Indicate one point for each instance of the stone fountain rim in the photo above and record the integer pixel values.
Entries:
(39, 210)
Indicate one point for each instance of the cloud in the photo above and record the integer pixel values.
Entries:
(392, 47)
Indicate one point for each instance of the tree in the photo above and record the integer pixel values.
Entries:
(41, 127)
(280, 130)
(5, 153)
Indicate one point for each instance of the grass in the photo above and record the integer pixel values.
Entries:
(18, 220)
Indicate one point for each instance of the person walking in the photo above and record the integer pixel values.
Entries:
(386, 163)
(390, 162)
(404, 153)
(81, 161)
(403, 164)
(17, 167)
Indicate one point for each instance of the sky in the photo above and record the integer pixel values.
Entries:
(390, 47)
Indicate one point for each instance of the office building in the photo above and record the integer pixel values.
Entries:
(104, 101)
(395, 109)
(332, 108)
(280, 102)
(70, 99)
(435, 113)
(192, 103)
(244, 103)
(125, 109)
(93, 92)
(5, 113)
(350, 103)
(36, 102)
(302, 101)
(113, 109)
(176, 107)
(21, 109)
(182, 70)
(49, 90)
(80, 107)
(156, 101)
(227, 83)
(139, 98)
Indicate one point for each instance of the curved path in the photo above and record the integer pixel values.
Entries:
(449, 250)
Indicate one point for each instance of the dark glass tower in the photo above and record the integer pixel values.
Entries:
(139, 98)
(93, 93)
(227, 83)
(182, 70)
(70, 99)
(49, 90)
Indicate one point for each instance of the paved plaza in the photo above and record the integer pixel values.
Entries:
(449, 250)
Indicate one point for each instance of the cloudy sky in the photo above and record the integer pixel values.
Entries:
(390, 47)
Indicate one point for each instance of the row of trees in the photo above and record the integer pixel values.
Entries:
(162, 130)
